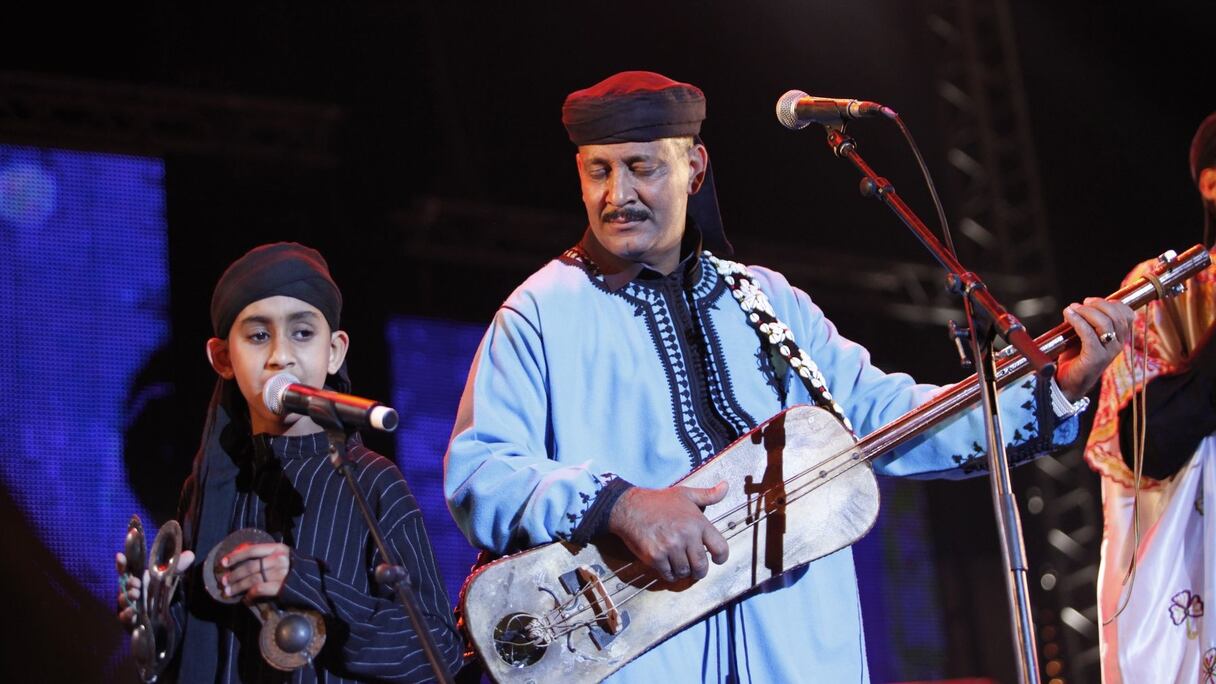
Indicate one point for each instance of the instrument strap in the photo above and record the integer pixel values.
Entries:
(777, 335)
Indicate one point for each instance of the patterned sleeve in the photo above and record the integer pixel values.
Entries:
(502, 487)
(375, 634)
(1171, 340)
(1180, 410)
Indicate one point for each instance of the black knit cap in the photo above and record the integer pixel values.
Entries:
(642, 106)
(633, 106)
(281, 268)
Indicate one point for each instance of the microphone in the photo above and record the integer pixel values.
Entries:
(796, 110)
(284, 394)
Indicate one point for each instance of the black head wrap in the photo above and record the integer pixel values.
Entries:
(642, 106)
(283, 268)
(1203, 155)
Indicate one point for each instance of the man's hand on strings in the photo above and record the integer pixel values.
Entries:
(1102, 326)
(667, 530)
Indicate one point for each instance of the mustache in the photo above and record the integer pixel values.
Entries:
(625, 214)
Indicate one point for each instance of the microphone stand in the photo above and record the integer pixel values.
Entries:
(985, 318)
(388, 573)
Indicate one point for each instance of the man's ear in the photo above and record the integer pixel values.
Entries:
(1207, 184)
(217, 354)
(339, 342)
(698, 159)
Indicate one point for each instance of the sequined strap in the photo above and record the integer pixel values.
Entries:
(760, 315)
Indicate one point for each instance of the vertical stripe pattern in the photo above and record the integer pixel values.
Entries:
(291, 490)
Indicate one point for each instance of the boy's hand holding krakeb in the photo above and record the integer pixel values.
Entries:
(249, 565)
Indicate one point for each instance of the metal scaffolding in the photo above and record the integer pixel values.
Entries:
(1003, 227)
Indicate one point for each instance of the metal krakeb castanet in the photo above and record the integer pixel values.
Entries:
(153, 641)
(290, 637)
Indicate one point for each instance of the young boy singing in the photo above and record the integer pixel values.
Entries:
(275, 310)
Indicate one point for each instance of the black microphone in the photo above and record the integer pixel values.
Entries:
(284, 394)
(797, 110)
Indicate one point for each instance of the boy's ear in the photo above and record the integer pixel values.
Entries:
(339, 342)
(217, 354)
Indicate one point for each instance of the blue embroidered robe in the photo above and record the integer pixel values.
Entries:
(579, 389)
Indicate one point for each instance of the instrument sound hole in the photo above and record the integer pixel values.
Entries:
(514, 643)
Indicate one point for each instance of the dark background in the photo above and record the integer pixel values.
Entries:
(457, 104)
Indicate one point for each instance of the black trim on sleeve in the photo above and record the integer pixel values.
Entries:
(595, 520)
(1039, 437)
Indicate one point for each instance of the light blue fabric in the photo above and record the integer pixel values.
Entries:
(573, 386)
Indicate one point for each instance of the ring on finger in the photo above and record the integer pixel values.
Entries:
(1107, 337)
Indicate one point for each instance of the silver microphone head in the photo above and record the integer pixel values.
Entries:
(787, 112)
(272, 393)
